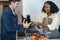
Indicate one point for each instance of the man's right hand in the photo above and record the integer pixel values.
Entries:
(26, 25)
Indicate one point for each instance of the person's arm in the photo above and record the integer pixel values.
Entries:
(12, 27)
(45, 26)
(8, 24)
(41, 22)
(38, 24)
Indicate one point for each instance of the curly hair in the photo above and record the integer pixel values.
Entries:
(53, 7)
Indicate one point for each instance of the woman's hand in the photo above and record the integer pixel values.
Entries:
(37, 24)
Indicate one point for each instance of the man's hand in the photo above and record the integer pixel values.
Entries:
(26, 25)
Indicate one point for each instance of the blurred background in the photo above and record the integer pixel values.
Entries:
(28, 7)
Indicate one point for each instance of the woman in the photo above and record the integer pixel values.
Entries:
(49, 20)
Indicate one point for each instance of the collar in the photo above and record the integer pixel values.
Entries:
(12, 11)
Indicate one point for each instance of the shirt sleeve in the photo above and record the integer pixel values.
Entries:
(41, 19)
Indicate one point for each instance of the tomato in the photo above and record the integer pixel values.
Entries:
(38, 35)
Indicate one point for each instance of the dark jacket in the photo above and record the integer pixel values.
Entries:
(9, 25)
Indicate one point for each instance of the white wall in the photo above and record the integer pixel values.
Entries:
(33, 8)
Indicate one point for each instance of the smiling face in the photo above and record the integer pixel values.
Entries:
(47, 8)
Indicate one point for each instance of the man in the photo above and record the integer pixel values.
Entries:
(9, 22)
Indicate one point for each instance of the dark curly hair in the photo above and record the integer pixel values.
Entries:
(53, 7)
